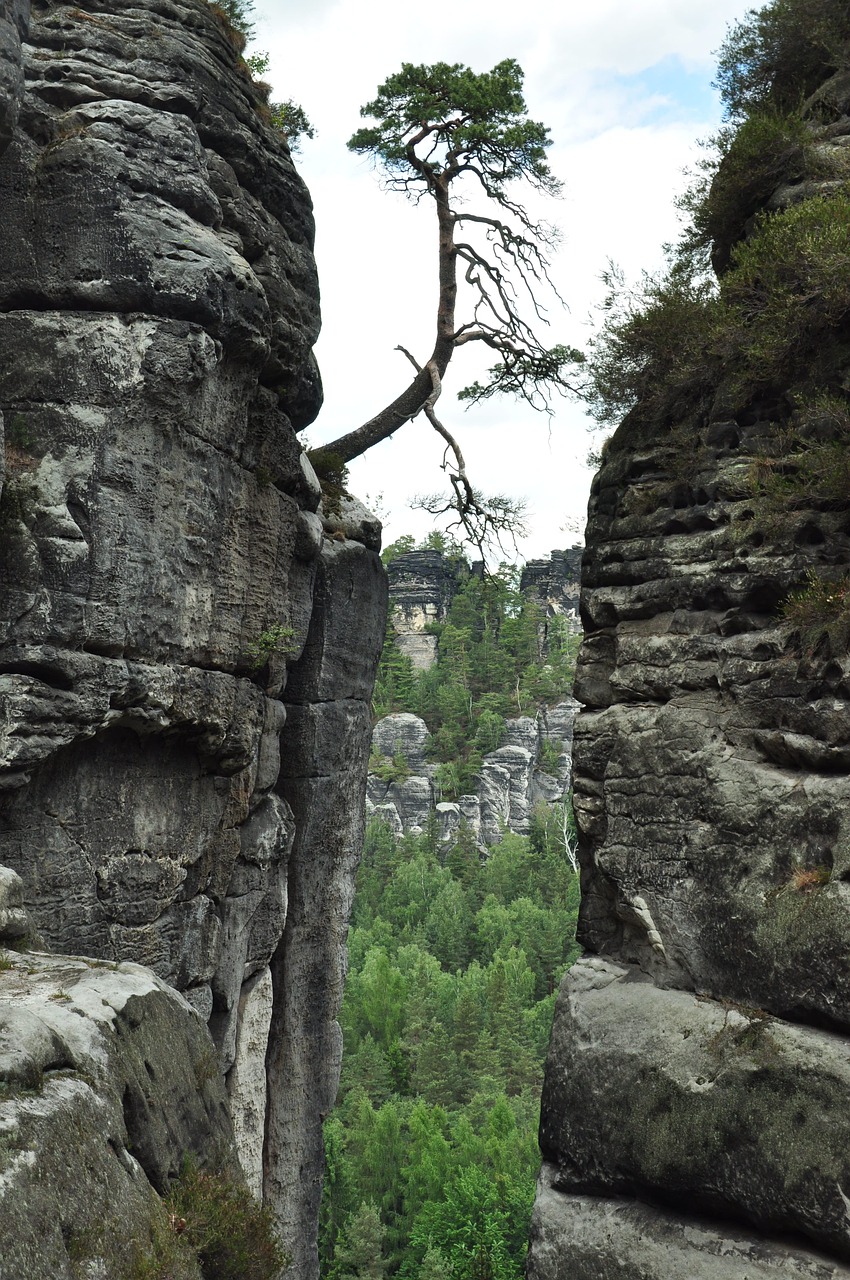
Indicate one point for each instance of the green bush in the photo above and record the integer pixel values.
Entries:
(389, 770)
(745, 168)
(274, 640)
(787, 289)
(789, 284)
(231, 1235)
(332, 474)
(806, 464)
(654, 339)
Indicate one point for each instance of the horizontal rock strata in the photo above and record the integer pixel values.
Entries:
(693, 1117)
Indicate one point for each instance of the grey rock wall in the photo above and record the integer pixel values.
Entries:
(696, 1087)
(173, 622)
(422, 586)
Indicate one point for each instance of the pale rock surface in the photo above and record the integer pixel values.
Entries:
(108, 1080)
(511, 783)
(402, 734)
(585, 1238)
(14, 921)
(721, 1107)
(246, 1080)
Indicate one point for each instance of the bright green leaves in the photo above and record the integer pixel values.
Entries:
(446, 119)
(432, 1152)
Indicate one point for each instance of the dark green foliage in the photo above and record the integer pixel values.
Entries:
(745, 167)
(446, 1019)
(789, 286)
(400, 547)
(482, 120)
(239, 14)
(331, 472)
(787, 290)
(291, 120)
(783, 288)
(821, 610)
(652, 343)
(388, 769)
(805, 464)
(212, 1222)
(779, 54)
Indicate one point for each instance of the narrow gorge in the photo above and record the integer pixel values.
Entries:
(189, 642)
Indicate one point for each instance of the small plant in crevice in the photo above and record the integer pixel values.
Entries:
(806, 879)
(804, 466)
(549, 759)
(395, 769)
(820, 609)
(332, 474)
(274, 640)
(18, 445)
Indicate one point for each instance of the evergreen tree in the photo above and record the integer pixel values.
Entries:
(359, 1256)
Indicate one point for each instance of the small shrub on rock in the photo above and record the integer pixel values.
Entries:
(231, 1235)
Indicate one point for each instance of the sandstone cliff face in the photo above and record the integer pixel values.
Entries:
(695, 1106)
(185, 722)
(422, 586)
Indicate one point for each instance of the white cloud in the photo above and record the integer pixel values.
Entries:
(624, 122)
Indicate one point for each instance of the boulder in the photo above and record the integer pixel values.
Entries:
(108, 1081)
(577, 1237)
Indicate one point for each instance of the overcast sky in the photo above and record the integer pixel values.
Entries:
(624, 86)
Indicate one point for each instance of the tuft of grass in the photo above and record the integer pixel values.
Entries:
(820, 608)
(805, 879)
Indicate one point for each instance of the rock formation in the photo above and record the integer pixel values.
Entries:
(555, 585)
(422, 586)
(512, 780)
(185, 662)
(695, 1106)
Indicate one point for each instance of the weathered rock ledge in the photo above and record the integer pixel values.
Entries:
(108, 1082)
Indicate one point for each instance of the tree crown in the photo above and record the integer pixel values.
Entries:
(444, 120)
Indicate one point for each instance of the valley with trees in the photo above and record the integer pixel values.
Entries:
(455, 959)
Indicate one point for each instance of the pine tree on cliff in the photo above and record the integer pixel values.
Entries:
(448, 134)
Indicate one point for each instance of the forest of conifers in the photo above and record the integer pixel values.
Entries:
(454, 964)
